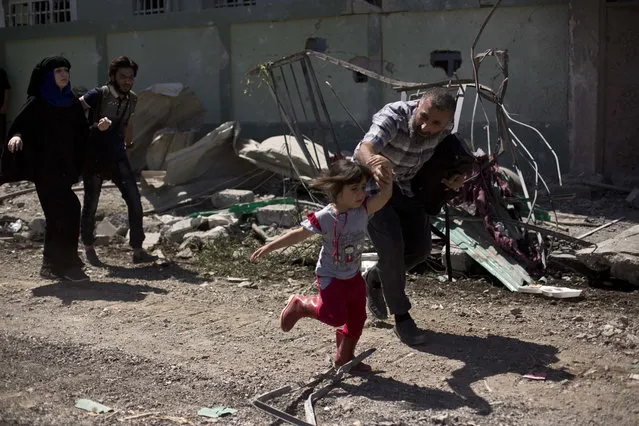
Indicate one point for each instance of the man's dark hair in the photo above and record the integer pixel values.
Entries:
(341, 173)
(122, 62)
(441, 98)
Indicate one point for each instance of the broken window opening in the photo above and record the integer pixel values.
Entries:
(359, 77)
(317, 44)
(21, 13)
(150, 7)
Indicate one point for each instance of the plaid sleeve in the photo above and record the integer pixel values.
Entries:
(384, 127)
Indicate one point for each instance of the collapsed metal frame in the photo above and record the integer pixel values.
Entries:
(332, 375)
(507, 140)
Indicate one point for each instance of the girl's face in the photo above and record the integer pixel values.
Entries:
(352, 195)
(61, 76)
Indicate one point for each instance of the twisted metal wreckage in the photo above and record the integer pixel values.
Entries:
(487, 219)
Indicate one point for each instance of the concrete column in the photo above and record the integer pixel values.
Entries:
(584, 92)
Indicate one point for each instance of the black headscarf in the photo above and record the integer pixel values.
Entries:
(42, 82)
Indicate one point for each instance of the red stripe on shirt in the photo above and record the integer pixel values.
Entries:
(311, 218)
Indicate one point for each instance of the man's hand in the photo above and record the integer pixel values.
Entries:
(381, 168)
(104, 124)
(15, 144)
(455, 182)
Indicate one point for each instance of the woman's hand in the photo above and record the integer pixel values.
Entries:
(15, 144)
(104, 124)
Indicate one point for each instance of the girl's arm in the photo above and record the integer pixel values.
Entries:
(290, 238)
(379, 200)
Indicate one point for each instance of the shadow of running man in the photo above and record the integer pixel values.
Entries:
(489, 356)
(96, 290)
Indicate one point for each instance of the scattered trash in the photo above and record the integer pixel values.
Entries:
(92, 406)
(634, 377)
(219, 411)
(551, 291)
(560, 292)
(535, 376)
(16, 226)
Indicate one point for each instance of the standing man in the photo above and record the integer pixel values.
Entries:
(5, 88)
(107, 160)
(403, 137)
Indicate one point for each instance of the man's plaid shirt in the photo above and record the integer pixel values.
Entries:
(390, 137)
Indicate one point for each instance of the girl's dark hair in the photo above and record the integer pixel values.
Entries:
(340, 174)
(122, 62)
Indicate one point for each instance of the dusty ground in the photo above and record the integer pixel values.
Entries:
(167, 341)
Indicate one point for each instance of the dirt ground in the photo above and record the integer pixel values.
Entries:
(157, 343)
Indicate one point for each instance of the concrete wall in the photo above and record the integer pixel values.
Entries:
(621, 119)
(25, 54)
(190, 56)
(256, 43)
(536, 39)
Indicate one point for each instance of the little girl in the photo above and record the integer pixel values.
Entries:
(342, 224)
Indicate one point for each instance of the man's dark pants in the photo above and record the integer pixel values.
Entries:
(123, 177)
(3, 128)
(400, 232)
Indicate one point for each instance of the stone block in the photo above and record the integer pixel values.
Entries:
(460, 261)
(620, 255)
(283, 215)
(633, 198)
(179, 229)
(228, 197)
(106, 229)
(221, 219)
(38, 226)
(151, 239)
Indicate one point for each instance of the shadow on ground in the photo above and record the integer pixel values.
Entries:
(96, 290)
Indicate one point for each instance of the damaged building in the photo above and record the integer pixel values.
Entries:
(569, 60)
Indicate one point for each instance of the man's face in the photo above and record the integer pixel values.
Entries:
(427, 121)
(124, 78)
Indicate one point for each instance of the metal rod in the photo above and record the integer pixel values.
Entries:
(592, 231)
(295, 122)
(318, 121)
(449, 263)
(286, 119)
(321, 98)
(344, 106)
(299, 96)
(542, 137)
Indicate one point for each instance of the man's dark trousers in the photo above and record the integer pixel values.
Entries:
(400, 232)
(123, 177)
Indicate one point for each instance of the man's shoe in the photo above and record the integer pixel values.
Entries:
(92, 258)
(46, 272)
(75, 275)
(409, 333)
(375, 300)
(143, 257)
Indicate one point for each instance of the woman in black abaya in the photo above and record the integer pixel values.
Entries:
(47, 145)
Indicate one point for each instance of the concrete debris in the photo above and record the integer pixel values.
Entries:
(38, 226)
(633, 198)
(459, 259)
(283, 215)
(106, 229)
(168, 219)
(228, 197)
(152, 224)
(619, 255)
(221, 219)
(156, 110)
(211, 234)
(151, 240)
(178, 230)
(186, 253)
